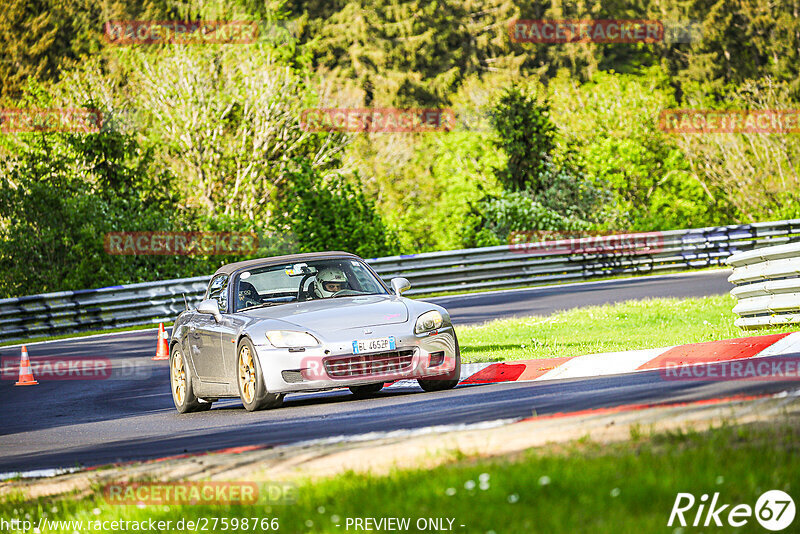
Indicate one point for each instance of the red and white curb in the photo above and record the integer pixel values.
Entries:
(612, 363)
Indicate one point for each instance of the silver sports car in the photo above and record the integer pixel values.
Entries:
(306, 322)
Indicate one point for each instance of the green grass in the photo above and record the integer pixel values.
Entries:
(636, 324)
(577, 487)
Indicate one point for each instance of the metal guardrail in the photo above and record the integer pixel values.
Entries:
(98, 309)
(526, 264)
(767, 286)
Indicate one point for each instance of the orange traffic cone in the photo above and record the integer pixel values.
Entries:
(25, 371)
(162, 348)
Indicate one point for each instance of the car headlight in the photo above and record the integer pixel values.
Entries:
(428, 321)
(287, 339)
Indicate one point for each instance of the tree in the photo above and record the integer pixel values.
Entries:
(527, 135)
(408, 53)
(743, 40)
(550, 174)
(39, 39)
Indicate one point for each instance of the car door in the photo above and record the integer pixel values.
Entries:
(206, 333)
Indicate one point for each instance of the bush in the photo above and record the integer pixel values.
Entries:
(329, 213)
(516, 211)
(60, 194)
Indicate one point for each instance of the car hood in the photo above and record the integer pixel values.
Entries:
(339, 313)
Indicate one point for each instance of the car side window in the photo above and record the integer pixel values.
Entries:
(218, 290)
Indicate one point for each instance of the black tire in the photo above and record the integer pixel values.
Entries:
(366, 390)
(180, 374)
(442, 382)
(250, 380)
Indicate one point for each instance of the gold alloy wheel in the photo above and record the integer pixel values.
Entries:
(247, 374)
(178, 378)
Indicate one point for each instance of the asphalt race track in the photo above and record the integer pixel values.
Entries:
(89, 422)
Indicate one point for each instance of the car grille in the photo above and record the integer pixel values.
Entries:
(380, 363)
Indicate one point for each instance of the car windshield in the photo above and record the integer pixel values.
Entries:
(299, 282)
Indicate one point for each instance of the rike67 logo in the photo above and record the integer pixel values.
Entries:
(774, 510)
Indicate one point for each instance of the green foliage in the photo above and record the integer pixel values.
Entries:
(750, 175)
(59, 196)
(516, 211)
(41, 38)
(545, 188)
(741, 41)
(461, 172)
(407, 52)
(329, 213)
(527, 135)
(614, 121)
(207, 137)
(425, 185)
(567, 189)
(230, 126)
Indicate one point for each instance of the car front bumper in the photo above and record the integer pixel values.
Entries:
(311, 369)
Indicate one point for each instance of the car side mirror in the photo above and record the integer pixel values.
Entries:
(210, 307)
(400, 284)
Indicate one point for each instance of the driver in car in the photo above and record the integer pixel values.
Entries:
(329, 281)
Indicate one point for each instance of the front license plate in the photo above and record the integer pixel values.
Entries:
(373, 345)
